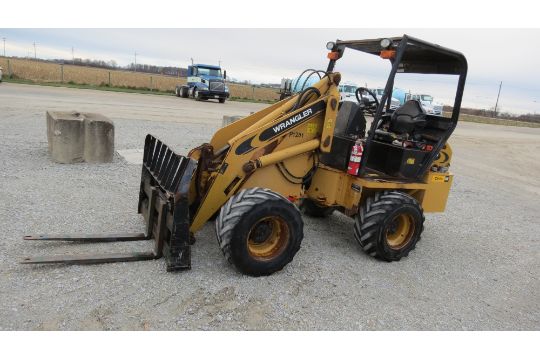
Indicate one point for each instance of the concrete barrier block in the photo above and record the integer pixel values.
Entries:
(229, 119)
(65, 134)
(76, 137)
(98, 139)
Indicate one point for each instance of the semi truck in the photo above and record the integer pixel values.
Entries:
(429, 105)
(347, 91)
(204, 82)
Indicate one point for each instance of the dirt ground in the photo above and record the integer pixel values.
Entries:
(476, 268)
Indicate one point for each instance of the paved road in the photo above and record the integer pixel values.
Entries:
(477, 266)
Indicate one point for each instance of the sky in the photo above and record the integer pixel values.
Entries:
(509, 56)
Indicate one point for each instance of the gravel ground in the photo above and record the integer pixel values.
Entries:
(476, 268)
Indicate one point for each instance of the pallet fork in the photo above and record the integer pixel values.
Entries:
(163, 202)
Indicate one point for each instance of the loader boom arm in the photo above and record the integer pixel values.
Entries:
(287, 132)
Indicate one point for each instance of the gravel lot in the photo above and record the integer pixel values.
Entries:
(476, 268)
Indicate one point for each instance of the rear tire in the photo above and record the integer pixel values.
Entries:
(184, 92)
(310, 208)
(259, 231)
(389, 224)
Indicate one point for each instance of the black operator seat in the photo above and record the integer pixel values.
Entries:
(408, 118)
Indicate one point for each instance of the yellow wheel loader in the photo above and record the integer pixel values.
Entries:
(306, 152)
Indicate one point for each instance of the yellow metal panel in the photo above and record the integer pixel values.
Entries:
(331, 187)
(435, 196)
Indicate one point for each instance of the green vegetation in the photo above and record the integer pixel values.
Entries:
(127, 89)
(495, 121)
(102, 86)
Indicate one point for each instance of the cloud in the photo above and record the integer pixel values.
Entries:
(267, 55)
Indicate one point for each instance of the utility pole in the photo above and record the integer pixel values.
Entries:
(35, 54)
(72, 55)
(135, 61)
(4, 40)
(219, 63)
(497, 102)
(191, 61)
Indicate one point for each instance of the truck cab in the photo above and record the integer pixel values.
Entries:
(204, 82)
(394, 103)
(347, 92)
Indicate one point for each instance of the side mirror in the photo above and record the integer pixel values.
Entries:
(225, 74)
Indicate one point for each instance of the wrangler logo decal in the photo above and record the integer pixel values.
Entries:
(292, 121)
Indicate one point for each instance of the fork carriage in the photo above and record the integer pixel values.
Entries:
(163, 202)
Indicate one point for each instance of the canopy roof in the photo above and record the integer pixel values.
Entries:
(417, 56)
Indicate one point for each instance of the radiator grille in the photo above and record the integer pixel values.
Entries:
(216, 86)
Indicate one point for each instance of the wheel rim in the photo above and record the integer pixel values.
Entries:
(268, 238)
(400, 231)
(196, 93)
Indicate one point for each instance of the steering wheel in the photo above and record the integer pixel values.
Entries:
(365, 104)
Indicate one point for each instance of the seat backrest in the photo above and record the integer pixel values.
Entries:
(408, 117)
(350, 120)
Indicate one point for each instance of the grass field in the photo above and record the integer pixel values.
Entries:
(44, 72)
(495, 121)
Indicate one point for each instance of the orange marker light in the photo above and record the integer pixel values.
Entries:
(388, 54)
(333, 55)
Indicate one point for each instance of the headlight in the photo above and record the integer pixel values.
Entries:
(385, 43)
(330, 45)
(226, 88)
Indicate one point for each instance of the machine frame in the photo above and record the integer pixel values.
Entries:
(279, 148)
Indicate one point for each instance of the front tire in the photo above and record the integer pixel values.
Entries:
(389, 224)
(259, 231)
(221, 100)
(197, 95)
